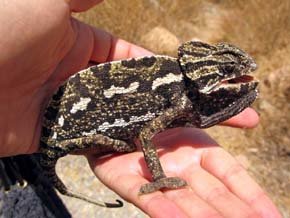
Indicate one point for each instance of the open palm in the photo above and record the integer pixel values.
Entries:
(218, 186)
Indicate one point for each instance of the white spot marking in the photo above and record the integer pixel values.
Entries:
(121, 90)
(169, 78)
(81, 105)
(54, 136)
(61, 121)
(122, 123)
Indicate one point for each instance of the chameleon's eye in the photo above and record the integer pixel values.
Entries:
(227, 69)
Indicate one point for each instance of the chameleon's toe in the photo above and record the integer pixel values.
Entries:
(167, 182)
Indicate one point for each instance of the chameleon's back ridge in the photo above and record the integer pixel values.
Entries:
(107, 106)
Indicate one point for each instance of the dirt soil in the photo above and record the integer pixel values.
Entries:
(262, 29)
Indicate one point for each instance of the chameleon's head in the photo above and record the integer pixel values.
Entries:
(217, 79)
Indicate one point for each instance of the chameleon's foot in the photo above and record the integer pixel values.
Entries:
(167, 182)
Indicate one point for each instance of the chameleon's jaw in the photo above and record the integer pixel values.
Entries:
(244, 77)
(230, 110)
(227, 98)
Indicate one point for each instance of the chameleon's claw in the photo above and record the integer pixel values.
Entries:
(168, 182)
(111, 205)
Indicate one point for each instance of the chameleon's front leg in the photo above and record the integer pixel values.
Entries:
(160, 181)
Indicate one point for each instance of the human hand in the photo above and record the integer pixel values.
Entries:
(218, 186)
(41, 46)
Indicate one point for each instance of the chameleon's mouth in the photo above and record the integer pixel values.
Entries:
(237, 82)
(243, 78)
(240, 79)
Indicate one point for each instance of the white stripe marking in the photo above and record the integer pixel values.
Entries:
(169, 78)
(92, 132)
(122, 123)
(113, 90)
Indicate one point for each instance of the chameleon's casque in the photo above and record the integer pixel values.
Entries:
(108, 106)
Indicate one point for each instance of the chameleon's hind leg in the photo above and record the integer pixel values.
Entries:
(102, 144)
(160, 123)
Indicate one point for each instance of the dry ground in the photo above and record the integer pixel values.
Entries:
(262, 28)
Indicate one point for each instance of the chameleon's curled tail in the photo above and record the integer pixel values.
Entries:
(69, 193)
(48, 166)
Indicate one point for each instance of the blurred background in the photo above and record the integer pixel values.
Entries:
(262, 28)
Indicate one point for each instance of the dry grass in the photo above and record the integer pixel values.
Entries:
(260, 27)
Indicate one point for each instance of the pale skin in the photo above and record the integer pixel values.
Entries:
(41, 46)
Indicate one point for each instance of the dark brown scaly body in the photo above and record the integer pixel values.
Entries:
(107, 106)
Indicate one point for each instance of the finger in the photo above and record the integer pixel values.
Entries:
(154, 204)
(127, 185)
(248, 118)
(93, 45)
(108, 48)
(188, 201)
(82, 5)
(235, 177)
(78, 56)
(216, 194)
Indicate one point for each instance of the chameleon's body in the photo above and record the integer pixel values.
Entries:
(108, 106)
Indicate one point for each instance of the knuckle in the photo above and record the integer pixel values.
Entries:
(233, 171)
(217, 193)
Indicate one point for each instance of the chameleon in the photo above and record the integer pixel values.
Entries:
(107, 106)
